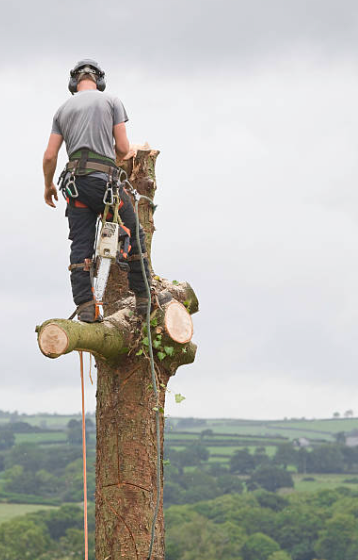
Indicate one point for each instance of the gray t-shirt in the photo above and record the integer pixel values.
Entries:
(86, 120)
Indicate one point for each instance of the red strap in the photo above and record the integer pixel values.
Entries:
(76, 203)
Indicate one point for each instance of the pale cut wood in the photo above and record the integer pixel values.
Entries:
(53, 340)
(178, 322)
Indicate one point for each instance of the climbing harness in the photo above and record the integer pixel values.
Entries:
(112, 240)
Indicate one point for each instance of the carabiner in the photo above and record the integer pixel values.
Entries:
(71, 184)
(109, 192)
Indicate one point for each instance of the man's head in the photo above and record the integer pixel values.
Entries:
(86, 69)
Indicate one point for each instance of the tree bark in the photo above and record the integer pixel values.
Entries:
(126, 471)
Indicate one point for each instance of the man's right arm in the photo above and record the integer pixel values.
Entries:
(121, 143)
(49, 167)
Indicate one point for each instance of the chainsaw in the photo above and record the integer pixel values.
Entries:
(112, 245)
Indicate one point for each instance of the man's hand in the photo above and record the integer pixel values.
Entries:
(133, 148)
(49, 193)
(49, 167)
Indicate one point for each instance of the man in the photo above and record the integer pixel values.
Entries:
(92, 124)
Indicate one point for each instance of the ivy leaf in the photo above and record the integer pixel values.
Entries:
(154, 322)
(175, 282)
(169, 350)
(184, 350)
(161, 355)
(166, 462)
(140, 352)
(156, 343)
(179, 398)
(158, 409)
(150, 386)
(145, 341)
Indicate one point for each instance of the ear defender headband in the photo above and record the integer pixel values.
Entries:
(86, 66)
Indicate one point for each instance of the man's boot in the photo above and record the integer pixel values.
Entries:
(88, 312)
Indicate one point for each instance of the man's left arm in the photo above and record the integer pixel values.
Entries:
(49, 167)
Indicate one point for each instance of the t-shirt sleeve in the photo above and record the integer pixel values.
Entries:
(119, 112)
(56, 129)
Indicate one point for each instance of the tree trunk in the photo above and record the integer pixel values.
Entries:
(126, 471)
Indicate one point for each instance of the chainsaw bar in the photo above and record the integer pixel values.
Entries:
(101, 278)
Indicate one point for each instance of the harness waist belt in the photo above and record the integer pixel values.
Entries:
(105, 168)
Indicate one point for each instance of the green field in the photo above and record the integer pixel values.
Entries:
(42, 438)
(322, 482)
(320, 430)
(8, 511)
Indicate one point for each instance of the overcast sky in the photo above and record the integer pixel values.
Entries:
(253, 106)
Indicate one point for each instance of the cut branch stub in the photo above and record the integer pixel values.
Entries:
(112, 338)
(178, 323)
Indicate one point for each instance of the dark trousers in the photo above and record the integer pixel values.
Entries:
(82, 224)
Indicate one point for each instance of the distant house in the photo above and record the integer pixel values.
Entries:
(351, 438)
(302, 442)
(352, 441)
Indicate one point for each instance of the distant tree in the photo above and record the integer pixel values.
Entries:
(229, 484)
(215, 468)
(340, 438)
(348, 413)
(350, 457)
(207, 432)
(194, 537)
(270, 478)
(336, 415)
(302, 458)
(242, 462)
(58, 521)
(285, 454)
(325, 459)
(22, 538)
(185, 423)
(74, 433)
(193, 455)
(337, 537)
(271, 500)
(40, 483)
(260, 456)
(296, 529)
(23, 428)
(28, 455)
(259, 547)
(14, 416)
(71, 545)
(280, 555)
(7, 438)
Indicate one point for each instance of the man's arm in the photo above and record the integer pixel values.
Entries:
(121, 144)
(49, 167)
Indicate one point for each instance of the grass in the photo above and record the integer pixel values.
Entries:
(322, 482)
(49, 437)
(8, 511)
(293, 428)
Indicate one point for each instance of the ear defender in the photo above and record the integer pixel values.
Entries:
(96, 69)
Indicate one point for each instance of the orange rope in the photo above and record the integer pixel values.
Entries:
(84, 457)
